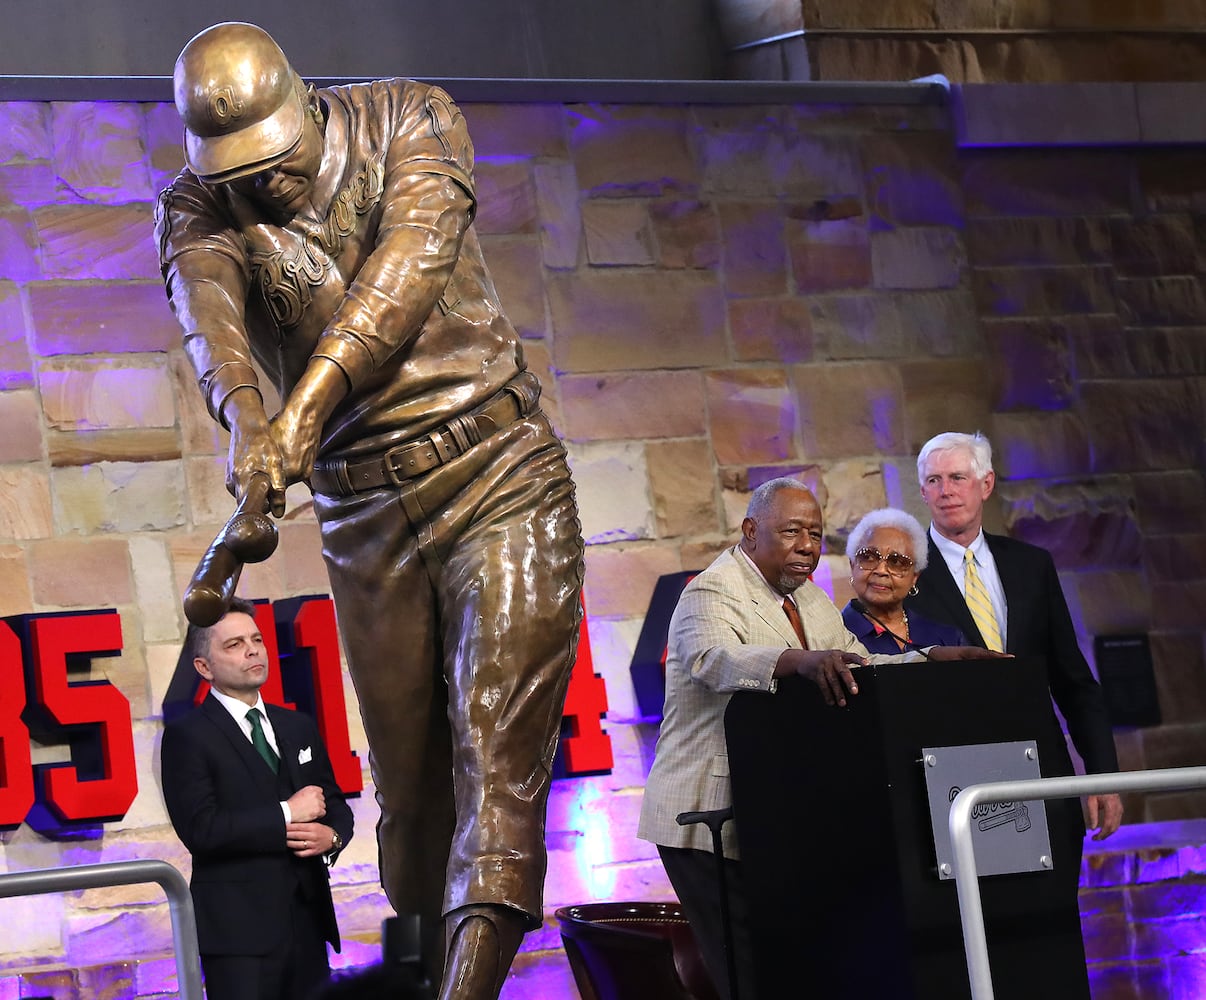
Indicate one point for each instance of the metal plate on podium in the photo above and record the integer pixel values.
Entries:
(1009, 837)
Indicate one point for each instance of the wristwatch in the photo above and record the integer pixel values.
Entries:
(336, 842)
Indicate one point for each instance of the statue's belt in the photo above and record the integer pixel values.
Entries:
(343, 477)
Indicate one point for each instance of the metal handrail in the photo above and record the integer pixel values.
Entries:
(971, 912)
(180, 903)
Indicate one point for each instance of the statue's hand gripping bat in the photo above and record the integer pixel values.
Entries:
(249, 537)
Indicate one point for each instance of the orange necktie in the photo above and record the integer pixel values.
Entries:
(793, 616)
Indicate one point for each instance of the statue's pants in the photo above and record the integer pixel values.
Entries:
(457, 596)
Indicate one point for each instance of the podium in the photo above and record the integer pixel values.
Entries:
(838, 858)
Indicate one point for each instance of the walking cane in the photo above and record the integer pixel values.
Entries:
(714, 820)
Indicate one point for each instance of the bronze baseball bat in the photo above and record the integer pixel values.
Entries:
(249, 536)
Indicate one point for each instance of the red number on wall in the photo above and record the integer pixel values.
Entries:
(16, 772)
(587, 748)
(314, 630)
(53, 640)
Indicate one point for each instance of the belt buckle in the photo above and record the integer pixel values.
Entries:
(435, 450)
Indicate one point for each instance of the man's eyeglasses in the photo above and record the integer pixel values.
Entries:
(897, 562)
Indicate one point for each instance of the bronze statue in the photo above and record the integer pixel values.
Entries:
(328, 234)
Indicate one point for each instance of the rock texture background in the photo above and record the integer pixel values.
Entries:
(713, 295)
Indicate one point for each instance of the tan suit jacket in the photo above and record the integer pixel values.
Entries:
(726, 635)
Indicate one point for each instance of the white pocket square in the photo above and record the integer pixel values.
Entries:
(305, 755)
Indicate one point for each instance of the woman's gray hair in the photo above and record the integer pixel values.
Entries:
(890, 517)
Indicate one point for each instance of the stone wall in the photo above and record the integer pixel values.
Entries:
(977, 41)
(713, 295)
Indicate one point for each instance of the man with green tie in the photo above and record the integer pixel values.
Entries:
(250, 792)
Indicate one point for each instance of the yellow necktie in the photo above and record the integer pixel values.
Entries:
(979, 604)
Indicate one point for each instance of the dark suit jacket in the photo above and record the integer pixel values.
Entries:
(922, 632)
(224, 803)
(1039, 625)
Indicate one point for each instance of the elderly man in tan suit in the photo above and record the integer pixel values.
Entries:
(751, 617)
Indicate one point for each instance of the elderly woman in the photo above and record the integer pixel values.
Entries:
(887, 550)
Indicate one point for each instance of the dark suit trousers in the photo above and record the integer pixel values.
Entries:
(696, 882)
(297, 966)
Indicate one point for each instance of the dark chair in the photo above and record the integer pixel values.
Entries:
(633, 951)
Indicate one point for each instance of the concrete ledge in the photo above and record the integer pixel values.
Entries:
(1078, 114)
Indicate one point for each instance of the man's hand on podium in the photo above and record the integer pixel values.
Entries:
(828, 669)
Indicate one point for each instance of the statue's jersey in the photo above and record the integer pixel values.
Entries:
(389, 284)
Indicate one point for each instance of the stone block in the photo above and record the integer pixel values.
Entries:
(15, 597)
(28, 184)
(943, 395)
(753, 417)
(1155, 246)
(1128, 981)
(106, 394)
(620, 580)
(686, 234)
(615, 321)
(73, 573)
(18, 246)
(21, 417)
(25, 504)
(560, 215)
(1175, 557)
(97, 241)
(1037, 241)
(1082, 525)
(612, 491)
(158, 602)
(829, 255)
(515, 266)
(506, 197)
(1032, 363)
(99, 937)
(98, 150)
(1179, 605)
(25, 131)
(1106, 936)
(164, 140)
(209, 503)
(119, 496)
(131, 445)
(1188, 976)
(113, 981)
(200, 433)
(631, 150)
(682, 482)
(1169, 807)
(59, 983)
(632, 405)
(525, 130)
(1043, 291)
(903, 325)
(1113, 602)
(1173, 181)
(16, 368)
(1175, 746)
(912, 179)
(771, 330)
(1129, 424)
(71, 317)
(1168, 501)
(919, 257)
(300, 556)
(618, 233)
(852, 488)
(1167, 300)
(1064, 182)
(1035, 444)
(755, 253)
(848, 409)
